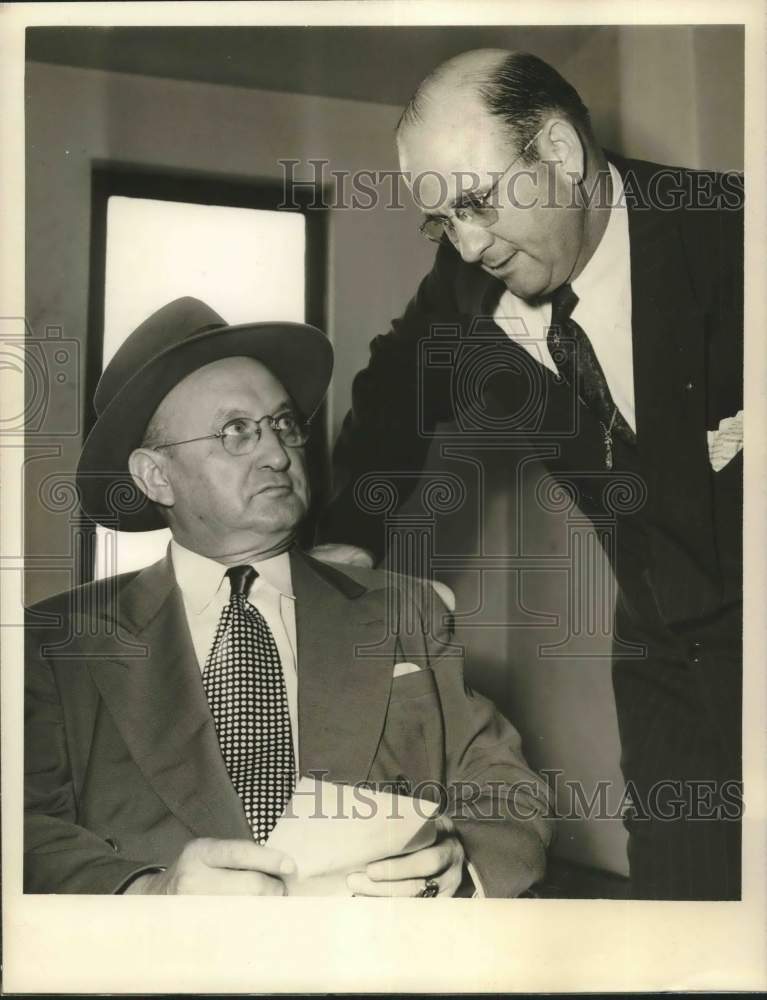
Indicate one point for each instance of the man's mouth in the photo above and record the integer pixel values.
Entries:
(276, 489)
(500, 266)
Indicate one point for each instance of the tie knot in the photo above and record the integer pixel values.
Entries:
(241, 579)
(563, 301)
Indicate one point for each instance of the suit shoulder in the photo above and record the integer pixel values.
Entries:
(357, 580)
(93, 594)
(379, 579)
(431, 602)
(672, 188)
(354, 580)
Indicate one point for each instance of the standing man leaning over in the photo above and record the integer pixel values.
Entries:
(615, 287)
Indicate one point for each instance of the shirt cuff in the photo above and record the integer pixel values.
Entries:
(479, 892)
(126, 882)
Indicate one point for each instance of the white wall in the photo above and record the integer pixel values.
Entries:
(681, 96)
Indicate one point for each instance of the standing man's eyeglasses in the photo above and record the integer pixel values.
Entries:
(478, 210)
(241, 435)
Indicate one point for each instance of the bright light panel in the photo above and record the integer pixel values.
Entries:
(247, 264)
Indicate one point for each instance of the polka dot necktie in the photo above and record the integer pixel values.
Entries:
(243, 681)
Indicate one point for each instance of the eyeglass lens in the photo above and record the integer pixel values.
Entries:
(241, 436)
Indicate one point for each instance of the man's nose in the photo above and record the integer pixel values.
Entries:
(270, 452)
(473, 240)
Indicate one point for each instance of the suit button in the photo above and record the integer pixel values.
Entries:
(695, 650)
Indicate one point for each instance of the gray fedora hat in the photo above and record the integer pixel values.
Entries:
(172, 343)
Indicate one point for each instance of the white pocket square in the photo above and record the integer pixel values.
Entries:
(400, 669)
(725, 443)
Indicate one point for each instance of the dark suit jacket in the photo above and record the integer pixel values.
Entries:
(122, 761)
(686, 238)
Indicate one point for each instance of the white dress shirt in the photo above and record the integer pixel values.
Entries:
(603, 311)
(205, 590)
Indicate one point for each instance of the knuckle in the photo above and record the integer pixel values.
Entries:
(197, 848)
(193, 854)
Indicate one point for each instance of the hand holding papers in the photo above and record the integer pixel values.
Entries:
(333, 830)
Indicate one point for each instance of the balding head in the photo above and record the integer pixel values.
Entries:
(498, 153)
(464, 75)
(519, 90)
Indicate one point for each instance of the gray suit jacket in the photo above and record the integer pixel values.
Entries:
(123, 766)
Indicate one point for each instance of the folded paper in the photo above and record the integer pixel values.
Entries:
(332, 830)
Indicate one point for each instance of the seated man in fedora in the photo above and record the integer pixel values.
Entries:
(170, 711)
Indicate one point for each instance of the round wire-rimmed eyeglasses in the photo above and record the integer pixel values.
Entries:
(480, 211)
(240, 436)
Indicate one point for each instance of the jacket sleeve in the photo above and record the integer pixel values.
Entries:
(501, 808)
(396, 403)
(499, 805)
(60, 856)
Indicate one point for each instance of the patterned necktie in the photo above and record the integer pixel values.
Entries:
(245, 688)
(577, 362)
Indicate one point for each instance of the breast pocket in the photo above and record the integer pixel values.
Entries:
(412, 748)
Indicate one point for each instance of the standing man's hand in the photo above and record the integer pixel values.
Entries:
(407, 874)
(351, 555)
(219, 868)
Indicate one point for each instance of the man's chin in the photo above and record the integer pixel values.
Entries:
(277, 509)
(527, 286)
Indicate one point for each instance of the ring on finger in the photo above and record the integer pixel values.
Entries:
(430, 889)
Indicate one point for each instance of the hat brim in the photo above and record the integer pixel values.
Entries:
(300, 356)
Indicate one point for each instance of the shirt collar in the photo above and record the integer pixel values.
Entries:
(605, 266)
(202, 579)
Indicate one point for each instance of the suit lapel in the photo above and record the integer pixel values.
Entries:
(670, 380)
(343, 695)
(159, 707)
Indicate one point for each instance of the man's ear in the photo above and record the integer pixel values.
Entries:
(566, 148)
(147, 467)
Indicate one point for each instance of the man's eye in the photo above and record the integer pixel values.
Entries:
(237, 427)
(285, 422)
(474, 200)
(473, 206)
